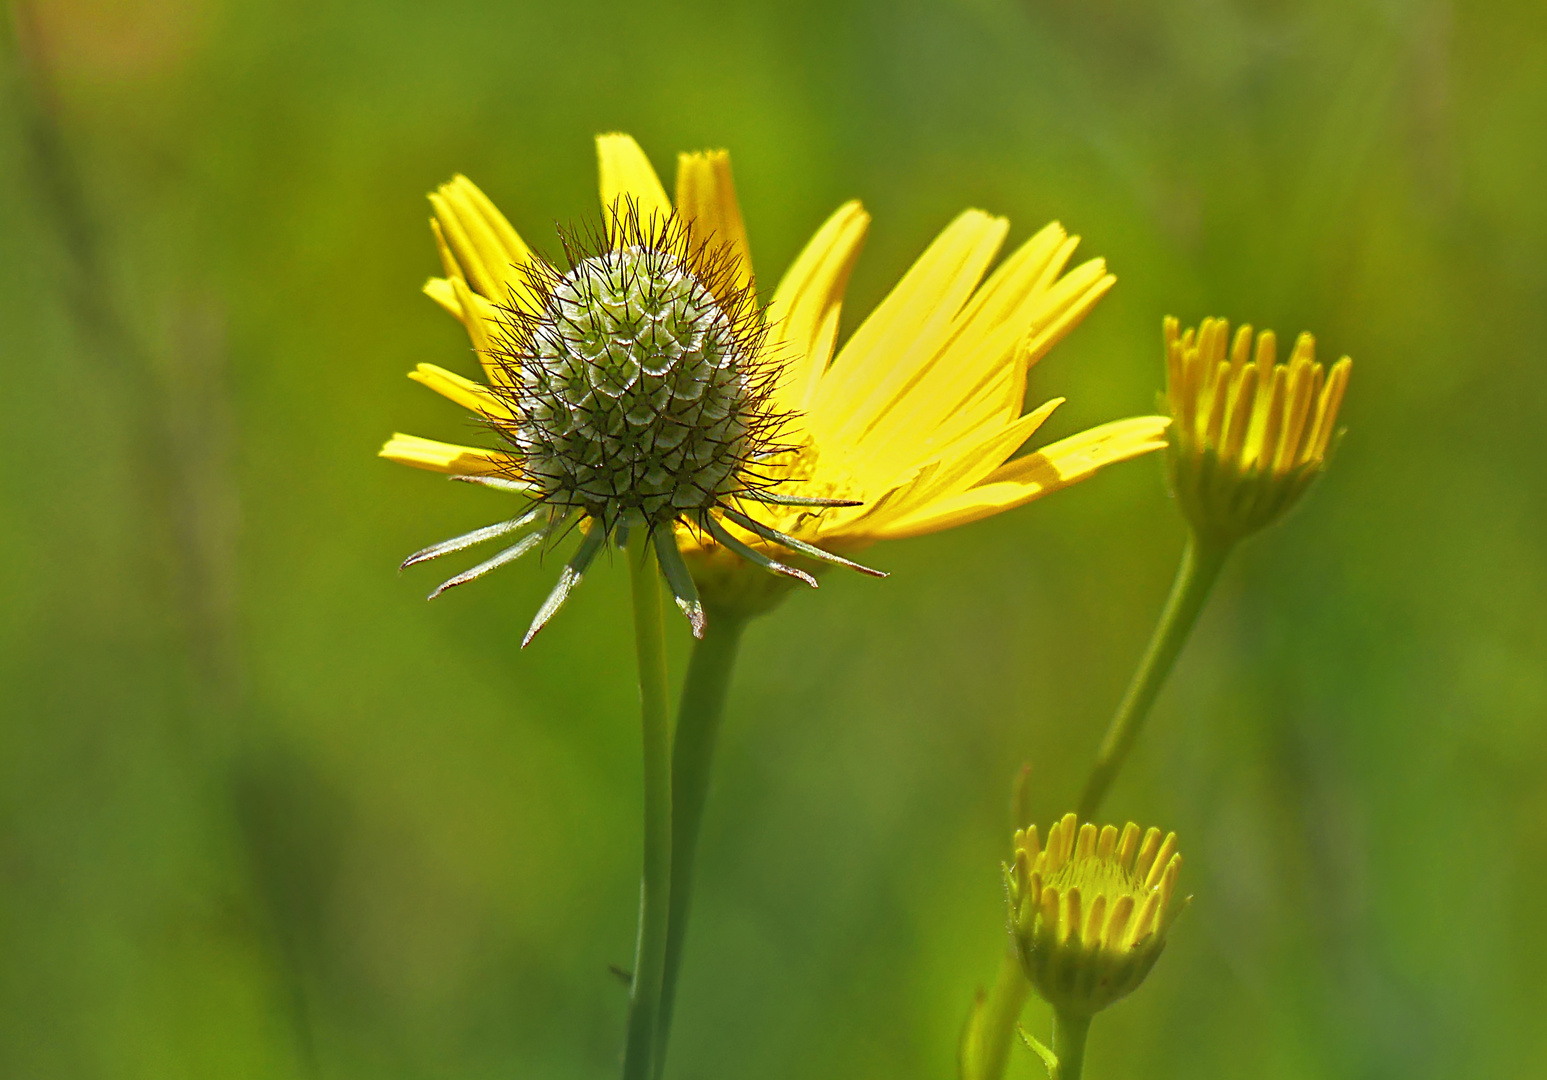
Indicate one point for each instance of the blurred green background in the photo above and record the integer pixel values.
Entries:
(265, 813)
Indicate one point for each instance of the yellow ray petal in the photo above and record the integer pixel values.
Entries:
(980, 363)
(906, 329)
(473, 198)
(1147, 850)
(804, 313)
(443, 292)
(1106, 841)
(627, 177)
(1128, 845)
(457, 297)
(447, 457)
(482, 331)
(980, 380)
(448, 261)
(1085, 842)
(1081, 454)
(1066, 305)
(1029, 270)
(481, 242)
(464, 392)
(1116, 931)
(965, 466)
(1162, 861)
(706, 202)
(1024, 479)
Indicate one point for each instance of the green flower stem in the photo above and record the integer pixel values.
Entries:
(698, 727)
(1202, 561)
(1069, 1033)
(655, 890)
(987, 1050)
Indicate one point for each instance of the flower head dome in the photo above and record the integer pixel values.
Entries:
(636, 388)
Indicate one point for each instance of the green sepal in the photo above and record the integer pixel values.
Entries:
(569, 577)
(467, 540)
(681, 581)
(499, 483)
(798, 500)
(777, 537)
(509, 555)
(756, 558)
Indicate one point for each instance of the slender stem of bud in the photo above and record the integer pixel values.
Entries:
(1202, 561)
(1069, 1033)
(655, 889)
(986, 1047)
(698, 726)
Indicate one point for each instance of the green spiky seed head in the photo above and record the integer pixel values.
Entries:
(635, 382)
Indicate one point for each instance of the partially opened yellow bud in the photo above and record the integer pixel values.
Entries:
(1248, 435)
(1090, 911)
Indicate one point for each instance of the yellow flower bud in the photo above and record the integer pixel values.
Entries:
(1248, 435)
(1090, 911)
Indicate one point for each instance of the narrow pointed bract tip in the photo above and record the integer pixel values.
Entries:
(477, 536)
(775, 536)
(509, 555)
(697, 621)
(799, 575)
(800, 500)
(752, 555)
(499, 483)
(574, 570)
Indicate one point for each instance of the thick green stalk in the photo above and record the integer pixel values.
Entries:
(655, 889)
(1069, 1043)
(1201, 564)
(698, 727)
(986, 1049)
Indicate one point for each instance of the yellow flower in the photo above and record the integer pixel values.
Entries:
(1250, 435)
(1090, 912)
(918, 416)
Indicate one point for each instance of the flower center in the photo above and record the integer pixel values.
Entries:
(1095, 876)
(634, 397)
